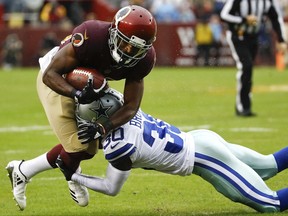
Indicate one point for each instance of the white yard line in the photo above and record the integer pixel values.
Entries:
(24, 129)
(243, 129)
(252, 129)
(194, 127)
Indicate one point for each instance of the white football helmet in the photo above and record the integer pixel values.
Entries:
(100, 110)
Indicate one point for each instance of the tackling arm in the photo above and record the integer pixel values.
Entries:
(110, 185)
(133, 93)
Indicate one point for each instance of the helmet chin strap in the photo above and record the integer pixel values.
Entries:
(119, 60)
(116, 56)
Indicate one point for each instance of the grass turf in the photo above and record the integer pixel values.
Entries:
(189, 98)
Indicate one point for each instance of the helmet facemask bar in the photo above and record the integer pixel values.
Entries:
(127, 51)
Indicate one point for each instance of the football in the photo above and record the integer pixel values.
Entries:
(78, 78)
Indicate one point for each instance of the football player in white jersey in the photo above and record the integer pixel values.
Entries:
(145, 142)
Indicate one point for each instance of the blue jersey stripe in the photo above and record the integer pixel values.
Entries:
(233, 182)
(125, 150)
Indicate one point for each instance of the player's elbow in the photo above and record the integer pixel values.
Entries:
(46, 78)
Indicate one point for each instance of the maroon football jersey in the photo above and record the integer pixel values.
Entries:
(90, 42)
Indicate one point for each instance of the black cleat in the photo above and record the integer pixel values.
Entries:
(245, 113)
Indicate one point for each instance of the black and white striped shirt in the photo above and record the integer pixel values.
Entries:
(235, 12)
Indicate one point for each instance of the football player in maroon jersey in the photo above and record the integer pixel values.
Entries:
(119, 50)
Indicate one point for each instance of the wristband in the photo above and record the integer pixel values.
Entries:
(107, 126)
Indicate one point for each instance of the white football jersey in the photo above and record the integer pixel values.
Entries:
(151, 144)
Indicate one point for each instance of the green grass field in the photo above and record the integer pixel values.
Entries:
(189, 98)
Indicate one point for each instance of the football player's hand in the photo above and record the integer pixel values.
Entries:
(88, 131)
(88, 94)
(64, 169)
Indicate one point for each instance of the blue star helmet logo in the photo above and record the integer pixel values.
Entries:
(101, 110)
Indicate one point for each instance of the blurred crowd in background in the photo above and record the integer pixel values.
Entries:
(67, 14)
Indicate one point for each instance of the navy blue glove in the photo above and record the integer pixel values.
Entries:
(89, 131)
(87, 95)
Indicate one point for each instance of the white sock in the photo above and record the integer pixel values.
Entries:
(34, 166)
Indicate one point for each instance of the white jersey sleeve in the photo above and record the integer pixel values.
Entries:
(45, 60)
(152, 144)
(110, 185)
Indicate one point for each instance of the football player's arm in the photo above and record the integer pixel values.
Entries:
(133, 93)
(112, 183)
(63, 62)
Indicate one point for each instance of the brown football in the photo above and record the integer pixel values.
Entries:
(78, 78)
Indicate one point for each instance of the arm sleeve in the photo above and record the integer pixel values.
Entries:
(277, 21)
(226, 15)
(110, 185)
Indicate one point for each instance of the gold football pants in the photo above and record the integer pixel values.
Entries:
(60, 111)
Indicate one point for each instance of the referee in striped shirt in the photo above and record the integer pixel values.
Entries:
(244, 18)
